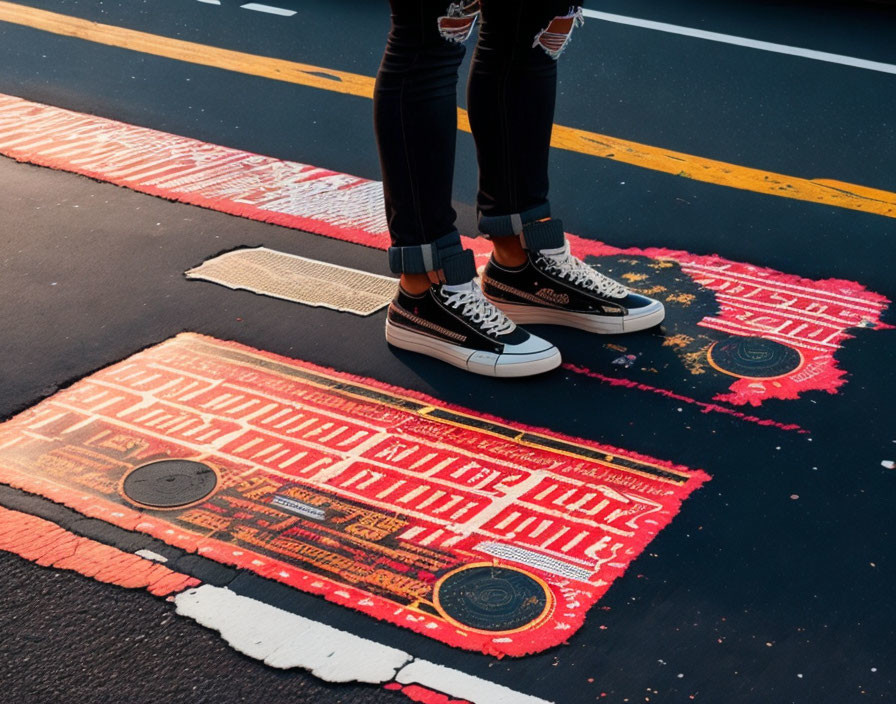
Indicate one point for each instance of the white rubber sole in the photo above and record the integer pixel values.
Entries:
(523, 314)
(476, 361)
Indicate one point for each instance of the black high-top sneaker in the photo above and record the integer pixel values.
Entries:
(458, 325)
(557, 288)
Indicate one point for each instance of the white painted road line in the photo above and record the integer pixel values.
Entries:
(150, 555)
(285, 640)
(269, 9)
(741, 41)
(457, 684)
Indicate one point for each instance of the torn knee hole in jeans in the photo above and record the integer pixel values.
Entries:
(457, 25)
(555, 37)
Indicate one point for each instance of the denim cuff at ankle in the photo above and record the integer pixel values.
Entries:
(446, 254)
(543, 234)
(507, 225)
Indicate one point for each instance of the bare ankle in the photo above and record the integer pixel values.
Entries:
(415, 284)
(509, 251)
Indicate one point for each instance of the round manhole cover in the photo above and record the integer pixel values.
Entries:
(754, 358)
(492, 598)
(169, 483)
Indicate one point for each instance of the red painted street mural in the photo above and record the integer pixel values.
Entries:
(744, 334)
(740, 334)
(480, 533)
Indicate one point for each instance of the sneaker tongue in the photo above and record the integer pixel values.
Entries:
(458, 288)
(555, 252)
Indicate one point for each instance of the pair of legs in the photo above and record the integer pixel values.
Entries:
(510, 100)
(441, 309)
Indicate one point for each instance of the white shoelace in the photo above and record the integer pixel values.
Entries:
(477, 308)
(581, 274)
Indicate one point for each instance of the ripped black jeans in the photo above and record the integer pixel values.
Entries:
(510, 98)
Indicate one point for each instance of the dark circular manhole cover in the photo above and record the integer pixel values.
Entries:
(169, 483)
(491, 598)
(754, 358)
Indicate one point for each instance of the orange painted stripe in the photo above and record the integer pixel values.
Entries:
(46, 544)
(824, 191)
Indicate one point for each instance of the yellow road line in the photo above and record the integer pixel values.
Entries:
(190, 52)
(826, 191)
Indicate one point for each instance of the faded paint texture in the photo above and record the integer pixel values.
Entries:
(46, 544)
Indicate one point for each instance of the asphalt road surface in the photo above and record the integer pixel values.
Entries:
(773, 584)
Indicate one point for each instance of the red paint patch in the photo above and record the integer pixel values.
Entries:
(812, 317)
(704, 407)
(48, 545)
(809, 316)
(377, 498)
(416, 693)
(190, 171)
